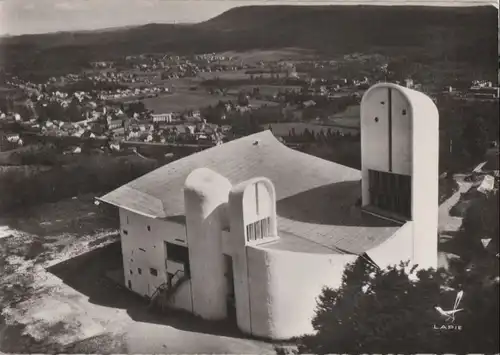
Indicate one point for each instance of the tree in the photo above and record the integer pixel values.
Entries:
(393, 310)
(480, 223)
(475, 137)
(55, 111)
(73, 112)
(306, 134)
(243, 99)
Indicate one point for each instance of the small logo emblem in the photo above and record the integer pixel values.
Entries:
(450, 315)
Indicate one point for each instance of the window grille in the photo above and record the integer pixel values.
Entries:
(259, 230)
(390, 192)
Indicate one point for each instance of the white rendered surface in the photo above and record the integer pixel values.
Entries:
(205, 194)
(415, 152)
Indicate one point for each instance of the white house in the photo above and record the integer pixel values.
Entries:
(162, 117)
(253, 230)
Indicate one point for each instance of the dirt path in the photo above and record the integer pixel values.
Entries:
(449, 225)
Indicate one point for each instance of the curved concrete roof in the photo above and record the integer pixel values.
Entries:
(315, 198)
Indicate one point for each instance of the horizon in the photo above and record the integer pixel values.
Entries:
(33, 17)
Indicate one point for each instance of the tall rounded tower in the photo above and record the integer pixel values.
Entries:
(400, 162)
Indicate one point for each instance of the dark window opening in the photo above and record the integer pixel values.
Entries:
(125, 232)
(131, 272)
(169, 279)
(153, 272)
(376, 119)
(390, 192)
(149, 228)
(179, 254)
(259, 230)
(139, 270)
(404, 112)
(129, 284)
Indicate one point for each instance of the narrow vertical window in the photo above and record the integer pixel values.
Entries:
(257, 198)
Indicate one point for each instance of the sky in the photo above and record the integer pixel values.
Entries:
(42, 16)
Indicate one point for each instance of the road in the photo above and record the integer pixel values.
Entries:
(449, 225)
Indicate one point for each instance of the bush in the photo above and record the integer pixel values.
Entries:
(387, 311)
(447, 187)
(95, 174)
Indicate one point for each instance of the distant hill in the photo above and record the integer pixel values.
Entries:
(467, 35)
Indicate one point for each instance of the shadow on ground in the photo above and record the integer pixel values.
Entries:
(87, 275)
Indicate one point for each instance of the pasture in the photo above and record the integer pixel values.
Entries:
(268, 90)
(191, 100)
(255, 56)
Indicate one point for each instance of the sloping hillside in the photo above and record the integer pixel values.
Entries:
(426, 34)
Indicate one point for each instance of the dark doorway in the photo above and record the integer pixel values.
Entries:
(231, 300)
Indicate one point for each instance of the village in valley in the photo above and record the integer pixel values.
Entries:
(95, 161)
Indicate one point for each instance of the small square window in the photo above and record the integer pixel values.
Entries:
(404, 112)
(125, 232)
(149, 228)
(139, 270)
(131, 272)
(153, 272)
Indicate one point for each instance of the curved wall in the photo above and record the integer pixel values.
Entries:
(284, 287)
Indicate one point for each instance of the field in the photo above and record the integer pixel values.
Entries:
(55, 296)
(229, 75)
(182, 101)
(255, 56)
(267, 90)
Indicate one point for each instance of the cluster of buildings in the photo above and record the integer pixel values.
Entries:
(174, 67)
(131, 93)
(192, 132)
(479, 89)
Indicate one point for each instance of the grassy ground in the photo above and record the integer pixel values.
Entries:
(231, 75)
(181, 101)
(254, 56)
(268, 90)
